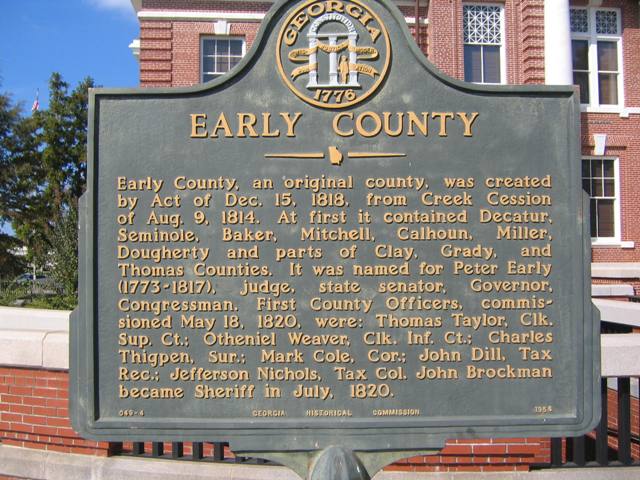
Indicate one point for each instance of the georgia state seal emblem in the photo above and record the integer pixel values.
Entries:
(333, 53)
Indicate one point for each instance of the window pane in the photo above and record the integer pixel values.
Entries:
(222, 64)
(608, 87)
(582, 80)
(223, 47)
(233, 62)
(609, 188)
(596, 168)
(491, 64)
(594, 218)
(607, 165)
(580, 52)
(607, 22)
(605, 218)
(208, 64)
(608, 56)
(482, 24)
(207, 77)
(596, 187)
(579, 18)
(586, 185)
(208, 47)
(586, 168)
(472, 63)
(235, 47)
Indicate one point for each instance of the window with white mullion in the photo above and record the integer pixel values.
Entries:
(600, 179)
(609, 78)
(219, 55)
(597, 56)
(483, 39)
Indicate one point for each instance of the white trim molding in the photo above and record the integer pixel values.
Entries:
(607, 290)
(200, 16)
(216, 16)
(615, 270)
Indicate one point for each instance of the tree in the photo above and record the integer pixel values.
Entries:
(64, 251)
(43, 172)
(10, 263)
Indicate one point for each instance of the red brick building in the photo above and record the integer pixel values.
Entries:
(593, 44)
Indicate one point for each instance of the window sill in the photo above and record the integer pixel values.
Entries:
(611, 243)
(603, 109)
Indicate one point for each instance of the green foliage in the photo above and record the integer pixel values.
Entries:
(43, 165)
(53, 302)
(64, 251)
(11, 292)
(11, 265)
(42, 175)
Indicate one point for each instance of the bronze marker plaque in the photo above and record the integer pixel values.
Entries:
(334, 244)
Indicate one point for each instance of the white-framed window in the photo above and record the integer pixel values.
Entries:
(601, 180)
(596, 43)
(218, 55)
(483, 38)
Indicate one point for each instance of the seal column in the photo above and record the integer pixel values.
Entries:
(333, 62)
(313, 59)
(353, 59)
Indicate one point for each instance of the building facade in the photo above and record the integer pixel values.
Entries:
(592, 44)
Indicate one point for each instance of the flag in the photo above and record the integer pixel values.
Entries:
(36, 104)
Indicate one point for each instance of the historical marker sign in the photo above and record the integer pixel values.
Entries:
(335, 244)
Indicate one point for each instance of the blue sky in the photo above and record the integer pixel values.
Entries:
(76, 38)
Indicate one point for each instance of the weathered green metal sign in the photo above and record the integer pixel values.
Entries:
(334, 244)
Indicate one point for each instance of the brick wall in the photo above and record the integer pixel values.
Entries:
(34, 412)
(524, 38)
(156, 54)
(489, 455)
(612, 414)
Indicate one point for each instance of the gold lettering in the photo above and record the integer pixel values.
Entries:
(221, 123)
(246, 121)
(291, 122)
(266, 126)
(468, 122)
(196, 125)
(443, 121)
(377, 124)
(415, 121)
(336, 124)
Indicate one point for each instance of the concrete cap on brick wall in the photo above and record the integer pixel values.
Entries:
(34, 319)
(620, 353)
(34, 338)
(615, 311)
